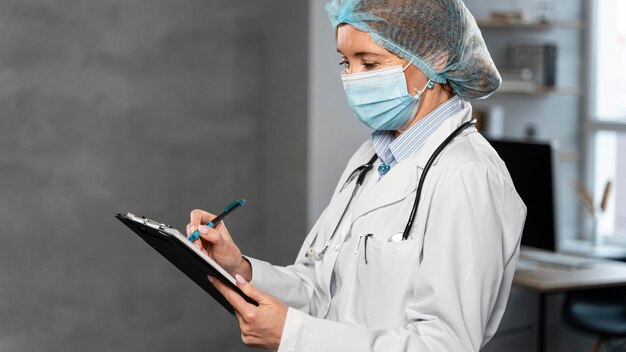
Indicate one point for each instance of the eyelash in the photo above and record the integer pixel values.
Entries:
(368, 65)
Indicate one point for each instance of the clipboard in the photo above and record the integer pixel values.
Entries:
(184, 255)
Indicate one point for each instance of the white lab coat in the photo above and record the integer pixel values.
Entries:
(443, 289)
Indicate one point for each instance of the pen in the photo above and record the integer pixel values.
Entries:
(227, 210)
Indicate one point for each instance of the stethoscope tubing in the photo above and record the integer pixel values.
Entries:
(365, 169)
(429, 163)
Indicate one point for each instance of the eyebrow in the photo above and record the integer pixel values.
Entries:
(362, 53)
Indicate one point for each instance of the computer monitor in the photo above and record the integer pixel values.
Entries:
(530, 166)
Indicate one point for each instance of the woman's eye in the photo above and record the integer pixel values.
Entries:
(370, 65)
(344, 63)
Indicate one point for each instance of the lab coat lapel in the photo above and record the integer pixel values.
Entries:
(394, 186)
(341, 195)
(338, 202)
(402, 180)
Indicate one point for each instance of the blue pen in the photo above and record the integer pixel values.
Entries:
(227, 210)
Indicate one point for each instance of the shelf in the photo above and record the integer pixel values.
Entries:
(568, 156)
(491, 24)
(542, 91)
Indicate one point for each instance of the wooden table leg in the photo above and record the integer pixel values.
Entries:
(598, 345)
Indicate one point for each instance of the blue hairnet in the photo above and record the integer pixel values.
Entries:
(440, 37)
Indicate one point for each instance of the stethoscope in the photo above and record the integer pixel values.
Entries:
(362, 172)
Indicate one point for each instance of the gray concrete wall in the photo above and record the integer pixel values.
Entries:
(284, 166)
(150, 106)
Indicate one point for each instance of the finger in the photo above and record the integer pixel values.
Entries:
(189, 231)
(197, 241)
(220, 226)
(199, 216)
(223, 229)
(210, 235)
(249, 289)
(235, 300)
(201, 245)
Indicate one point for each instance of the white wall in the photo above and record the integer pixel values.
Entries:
(556, 117)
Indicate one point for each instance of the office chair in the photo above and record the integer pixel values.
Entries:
(601, 312)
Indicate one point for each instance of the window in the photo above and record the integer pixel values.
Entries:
(606, 123)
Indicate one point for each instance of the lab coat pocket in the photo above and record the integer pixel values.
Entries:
(385, 283)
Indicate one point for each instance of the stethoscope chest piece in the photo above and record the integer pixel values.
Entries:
(396, 237)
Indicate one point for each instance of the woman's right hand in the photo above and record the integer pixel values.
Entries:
(218, 244)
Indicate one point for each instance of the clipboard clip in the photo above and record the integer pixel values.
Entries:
(150, 223)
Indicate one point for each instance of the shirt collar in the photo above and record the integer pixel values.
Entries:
(392, 150)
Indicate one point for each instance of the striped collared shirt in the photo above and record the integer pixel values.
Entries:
(392, 150)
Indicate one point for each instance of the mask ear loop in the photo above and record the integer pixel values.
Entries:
(419, 93)
(429, 85)
(407, 66)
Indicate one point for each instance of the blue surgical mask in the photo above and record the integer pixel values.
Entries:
(380, 99)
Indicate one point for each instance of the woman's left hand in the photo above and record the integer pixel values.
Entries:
(262, 326)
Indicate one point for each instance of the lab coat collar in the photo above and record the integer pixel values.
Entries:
(440, 134)
(402, 178)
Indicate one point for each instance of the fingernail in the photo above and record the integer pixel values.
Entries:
(240, 280)
(210, 278)
(192, 228)
(203, 229)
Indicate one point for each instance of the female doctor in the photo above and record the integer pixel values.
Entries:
(417, 248)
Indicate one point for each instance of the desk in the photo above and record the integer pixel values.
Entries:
(587, 249)
(546, 278)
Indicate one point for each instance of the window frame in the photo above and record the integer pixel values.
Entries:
(592, 123)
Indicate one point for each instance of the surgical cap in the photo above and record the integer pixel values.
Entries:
(440, 37)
